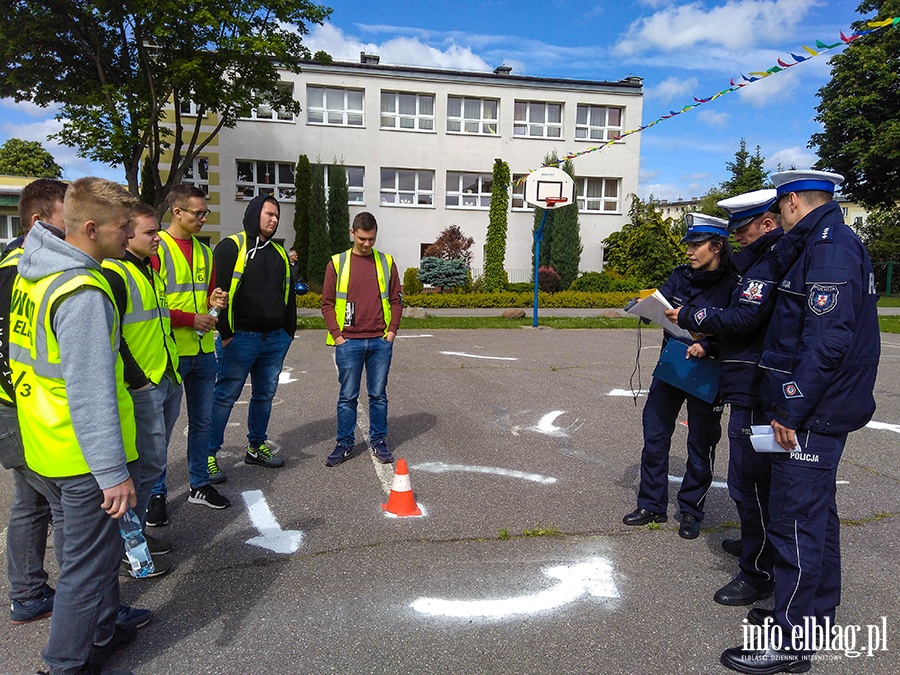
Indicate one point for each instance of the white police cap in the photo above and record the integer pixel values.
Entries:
(744, 208)
(701, 227)
(802, 181)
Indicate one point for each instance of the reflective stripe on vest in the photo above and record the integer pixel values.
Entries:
(7, 393)
(240, 264)
(341, 262)
(48, 437)
(146, 326)
(187, 289)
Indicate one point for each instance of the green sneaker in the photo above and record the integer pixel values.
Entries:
(216, 475)
(262, 456)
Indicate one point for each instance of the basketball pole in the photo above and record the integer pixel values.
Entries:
(538, 238)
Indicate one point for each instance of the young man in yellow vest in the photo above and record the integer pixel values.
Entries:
(361, 306)
(186, 266)
(151, 360)
(31, 598)
(256, 331)
(75, 415)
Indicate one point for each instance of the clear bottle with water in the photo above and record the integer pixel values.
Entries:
(213, 312)
(135, 545)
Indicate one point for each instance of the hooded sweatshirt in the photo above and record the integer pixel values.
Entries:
(258, 304)
(82, 323)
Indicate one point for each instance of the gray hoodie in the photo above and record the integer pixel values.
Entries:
(82, 324)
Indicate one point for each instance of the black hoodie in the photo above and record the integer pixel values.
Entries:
(258, 305)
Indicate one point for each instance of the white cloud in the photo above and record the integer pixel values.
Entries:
(668, 191)
(714, 119)
(28, 108)
(648, 174)
(736, 25)
(796, 156)
(672, 88)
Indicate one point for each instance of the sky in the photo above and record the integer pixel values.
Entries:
(680, 49)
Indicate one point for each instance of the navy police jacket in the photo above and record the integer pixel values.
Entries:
(742, 323)
(821, 351)
(687, 286)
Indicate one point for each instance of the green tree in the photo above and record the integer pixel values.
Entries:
(444, 273)
(881, 235)
(319, 241)
(148, 188)
(747, 172)
(338, 208)
(495, 245)
(648, 247)
(561, 246)
(860, 114)
(302, 197)
(451, 244)
(27, 158)
(121, 72)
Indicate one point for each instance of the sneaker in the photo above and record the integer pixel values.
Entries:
(263, 457)
(122, 636)
(134, 617)
(158, 545)
(340, 454)
(160, 567)
(216, 475)
(382, 453)
(208, 496)
(156, 511)
(32, 610)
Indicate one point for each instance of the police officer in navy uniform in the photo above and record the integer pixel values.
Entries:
(819, 363)
(708, 279)
(742, 327)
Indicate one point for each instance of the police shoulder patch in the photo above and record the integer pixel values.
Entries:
(791, 390)
(700, 316)
(753, 291)
(823, 298)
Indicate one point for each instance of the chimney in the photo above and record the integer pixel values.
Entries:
(503, 70)
(369, 59)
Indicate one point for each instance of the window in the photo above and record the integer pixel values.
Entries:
(408, 112)
(468, 190)
(407, 187)
(472, 115)
(597, 194)
(265, 111)
(598, 123)
(355, 179)
(9, 228)
(537, 120)
(264, 178)
(330, 105)
(518, 192)
(197, 174)
(844, 210)
(187, 107)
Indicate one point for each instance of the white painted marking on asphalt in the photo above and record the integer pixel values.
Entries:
(588, 578)
(546, 426)
(388, 514)
(441, 467)
(3, 540)
(271, 536)
(883, 425)
(627, 392)
(715, 483)
(404, 337)
(478, 356)
(285, 377)
(842, 482)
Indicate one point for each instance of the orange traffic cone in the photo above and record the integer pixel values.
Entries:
(401, 501)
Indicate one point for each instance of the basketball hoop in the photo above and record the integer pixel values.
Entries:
(553, 201)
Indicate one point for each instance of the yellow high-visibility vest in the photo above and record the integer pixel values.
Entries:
(11, 260)
(146, 326)
(51, 447)
(240, 264)
(187, 289)
(341, 262)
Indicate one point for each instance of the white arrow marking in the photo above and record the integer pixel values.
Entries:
(440, 467)
(591, 578)
(627, 392)
(882, 425)
(476, 356)
(403, 337)
(284, 378)
(271, 536)
(715, 483)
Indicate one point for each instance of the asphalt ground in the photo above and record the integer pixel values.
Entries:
(526, 439)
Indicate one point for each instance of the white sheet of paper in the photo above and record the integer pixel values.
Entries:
(762, 438)
(653, 308)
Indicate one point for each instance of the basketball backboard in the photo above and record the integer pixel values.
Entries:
(549, 183)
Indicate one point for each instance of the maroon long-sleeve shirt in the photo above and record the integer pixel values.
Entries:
(368, 319)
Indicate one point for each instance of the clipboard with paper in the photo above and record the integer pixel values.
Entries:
(697, 377)
(652, 305)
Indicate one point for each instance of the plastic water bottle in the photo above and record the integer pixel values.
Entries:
(214, 312)
(135, 545)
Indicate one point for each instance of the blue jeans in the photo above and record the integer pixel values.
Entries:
(198, 377)
(261, 356)
(156, 409)
(350, 357)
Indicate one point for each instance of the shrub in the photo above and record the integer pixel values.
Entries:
(411, 283)
(443, 273)
(521, 287)
(548, 279)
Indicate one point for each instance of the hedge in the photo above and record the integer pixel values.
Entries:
(573, 299)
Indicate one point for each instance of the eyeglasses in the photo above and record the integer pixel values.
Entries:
(199, 215)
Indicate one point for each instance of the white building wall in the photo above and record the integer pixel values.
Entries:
(402, 229)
